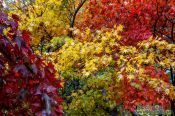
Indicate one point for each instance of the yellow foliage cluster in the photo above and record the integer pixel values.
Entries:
(90, 55)
(43, 18)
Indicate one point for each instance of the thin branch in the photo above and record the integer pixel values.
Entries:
(72, 21)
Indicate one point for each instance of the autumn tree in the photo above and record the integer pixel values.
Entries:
(107, 70)
(46, 19)
(41, 17)
(73, 7)
(141, 18)
(28, 85)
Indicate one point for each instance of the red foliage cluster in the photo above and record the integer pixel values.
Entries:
(27, 84)
(144, 94)
(157, 73)
(141, 18)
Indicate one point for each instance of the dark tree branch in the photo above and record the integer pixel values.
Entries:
(72, 19)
